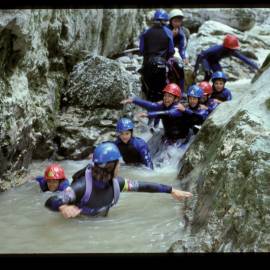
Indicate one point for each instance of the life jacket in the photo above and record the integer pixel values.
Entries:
(86, 197)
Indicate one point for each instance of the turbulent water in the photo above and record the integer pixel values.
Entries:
(141, 222)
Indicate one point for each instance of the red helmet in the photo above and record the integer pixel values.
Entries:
(206, 87)
(54, 172)
(173, 88)
(231, 42)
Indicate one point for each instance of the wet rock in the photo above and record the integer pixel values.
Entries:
(227, 168)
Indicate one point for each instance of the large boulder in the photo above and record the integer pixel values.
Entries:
(242, 19)
(93, 93)
(39, 49)
(228, 170)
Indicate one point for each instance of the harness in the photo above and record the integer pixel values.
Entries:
(88, 191)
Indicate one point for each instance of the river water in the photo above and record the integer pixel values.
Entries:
(141, 222)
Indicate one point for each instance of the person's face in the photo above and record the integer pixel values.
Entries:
(168, 99)
(219, 85)
(125, 136)
(193, 101)
(53, 184)
(176, 22)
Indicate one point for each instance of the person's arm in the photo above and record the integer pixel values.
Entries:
(42, 183)
(169, 33)
(172, 113)
(148, 105)
(182, 44)
(63, 185)
(128, 185)
(141, 45)
(146, 156)
(245, 59)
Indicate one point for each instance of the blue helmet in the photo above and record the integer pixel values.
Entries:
(124, 124)
(219, 75)
(161, 15)
(195, 91)
(106, 152)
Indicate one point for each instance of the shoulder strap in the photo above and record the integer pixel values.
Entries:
(88, 187)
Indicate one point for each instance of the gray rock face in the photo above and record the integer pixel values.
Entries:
(94, 91)
(242, 19)
(38, 50)
(228, 168)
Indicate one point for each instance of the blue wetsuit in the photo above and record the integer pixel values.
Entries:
(180, 42)
(156, 46)
(44, 186)
(175, 125)
(102, 194)
(135, 151)
(211, 104)
(224, 95)
(210, 59)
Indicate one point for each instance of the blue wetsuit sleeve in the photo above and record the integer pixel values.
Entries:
(42, 183)
(146, 156)
(229, 95)
(169, 34)
(201, 114)
(141, 45)
(128, 185)
(172, 113)
(152, 106)
(245, 59)
(63, 185)
(182, 44)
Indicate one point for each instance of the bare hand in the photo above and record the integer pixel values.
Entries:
(217, 101)
(127, 101)
(141, 114)
(202, 106)
(69, 211)
(186, 61)
(180, 107)
(180, 194)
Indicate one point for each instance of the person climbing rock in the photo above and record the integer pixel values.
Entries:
(54, 179)
(134, 150)
(97, 188)
(211, 57)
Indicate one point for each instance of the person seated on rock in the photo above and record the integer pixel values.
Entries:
(210, 58)
(220, 93)
(98, 187)
(175, 126)
(180, 42)
(134, 150)
(54, 179)
(156, 46)
(194, 112)
(208, 102)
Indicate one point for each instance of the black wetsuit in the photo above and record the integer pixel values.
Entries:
(102, 193)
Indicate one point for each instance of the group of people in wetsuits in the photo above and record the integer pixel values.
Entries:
(96, 188)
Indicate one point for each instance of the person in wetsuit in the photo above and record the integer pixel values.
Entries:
(211, 57)
(97, 188)
(175, 125)
(194, 113)
(210, 103)
(220, 93)
(134, 150)
(54, 179)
